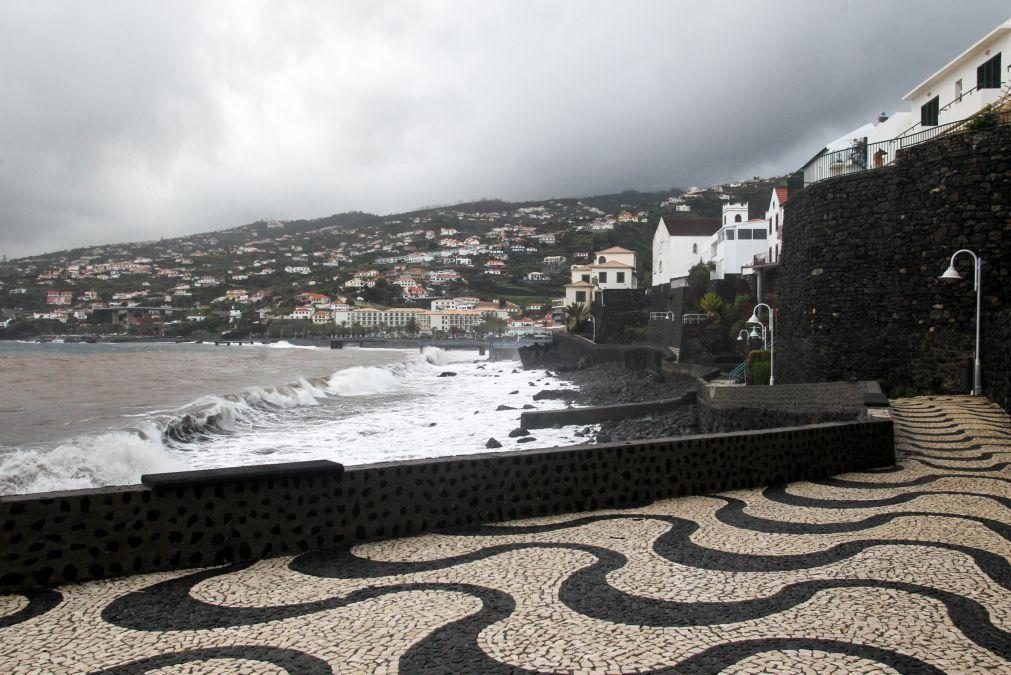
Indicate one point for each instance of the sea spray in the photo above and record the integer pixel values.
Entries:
(112, 458)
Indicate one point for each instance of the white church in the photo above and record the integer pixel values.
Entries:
(734, 244)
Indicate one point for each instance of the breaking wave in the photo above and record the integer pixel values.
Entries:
(119, 457)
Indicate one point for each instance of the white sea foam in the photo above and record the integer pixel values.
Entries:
(113, 458)
(357, 415)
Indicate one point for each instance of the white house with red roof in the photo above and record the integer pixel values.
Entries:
(611, 268)
(774, 226)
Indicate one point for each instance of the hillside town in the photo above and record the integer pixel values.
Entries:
(440, 272)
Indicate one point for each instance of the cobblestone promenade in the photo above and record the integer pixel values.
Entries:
(899, 570)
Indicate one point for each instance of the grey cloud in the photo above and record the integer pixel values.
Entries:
(124, 120)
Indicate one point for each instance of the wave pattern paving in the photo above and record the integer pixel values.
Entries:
(898, 570)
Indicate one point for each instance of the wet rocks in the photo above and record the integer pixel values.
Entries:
(519, 431)
(447, 373)
(504, 407)
(492, 443)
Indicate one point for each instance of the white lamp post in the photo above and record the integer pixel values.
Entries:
(742, 335)
(593, 321)
(772, 338)
(952, 274)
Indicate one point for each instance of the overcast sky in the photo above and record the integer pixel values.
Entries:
(122, 121)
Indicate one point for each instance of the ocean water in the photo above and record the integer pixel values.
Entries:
(79, 415)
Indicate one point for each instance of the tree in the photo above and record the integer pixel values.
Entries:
(412, 326)
(712, 306)
(576, 315)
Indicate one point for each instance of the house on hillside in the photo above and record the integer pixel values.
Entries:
(678, 245)
(611, 268)
(774, 226)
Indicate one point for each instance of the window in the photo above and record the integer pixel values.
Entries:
(988, 74)
(585, 277)
(760, 234)
(602, 277)
(601, 260)
(730, 235)
(695, 248)
(929, 112)
(737, 218)
(744, 234)
(580, 296)
(619, 277)
(958, 90)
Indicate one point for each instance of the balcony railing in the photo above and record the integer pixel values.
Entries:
(862, 156)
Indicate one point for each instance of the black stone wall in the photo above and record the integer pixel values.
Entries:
(621, 315)
(859, 296)
(207, 518)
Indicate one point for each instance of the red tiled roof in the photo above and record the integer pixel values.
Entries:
(782, 194)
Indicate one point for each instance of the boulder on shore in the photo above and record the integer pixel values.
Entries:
(518, 431)
(504, 407)
(447, 373)
(492, 443)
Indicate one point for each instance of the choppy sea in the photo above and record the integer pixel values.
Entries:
(89, 415)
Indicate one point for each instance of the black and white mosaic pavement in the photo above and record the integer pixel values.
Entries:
(903, 569)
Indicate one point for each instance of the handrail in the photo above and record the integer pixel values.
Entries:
(950, 103)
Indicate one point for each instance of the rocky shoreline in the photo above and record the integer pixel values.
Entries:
(610, 384)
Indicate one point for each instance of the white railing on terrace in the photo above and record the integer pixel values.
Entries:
(862, 156)
(694, 319)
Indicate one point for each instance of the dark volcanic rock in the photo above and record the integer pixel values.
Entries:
(518, 431)
(492, 443)
(447, 373)
(559, 394)
(515, 392)
(504, 407)
(526, 439)
(527, 406)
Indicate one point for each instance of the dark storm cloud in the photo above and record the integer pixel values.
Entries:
(126, 120)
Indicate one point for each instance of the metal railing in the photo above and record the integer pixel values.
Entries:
(862, 156)
(739, 373)
(694, 319)
(661, 316)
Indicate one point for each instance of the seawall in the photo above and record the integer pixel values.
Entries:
(859, 297)
(207, 518)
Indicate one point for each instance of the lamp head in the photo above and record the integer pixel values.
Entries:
(740, 339)
(951, 273)
(754, 332)
(754, 318)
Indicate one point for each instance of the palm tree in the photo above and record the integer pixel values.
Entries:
(576, 315)
(711, 305)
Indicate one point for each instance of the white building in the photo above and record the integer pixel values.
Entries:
(966, 84)
(961, 88)
(678, 245)
(611, 268)
(737, 242)
(774, 226)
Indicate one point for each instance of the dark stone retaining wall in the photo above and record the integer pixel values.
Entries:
(859, 295)
(540, 419)
(183, 521)
(568, 351)
(724, 409)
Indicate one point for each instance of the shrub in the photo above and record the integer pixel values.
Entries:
(759, 367)
(984, 119)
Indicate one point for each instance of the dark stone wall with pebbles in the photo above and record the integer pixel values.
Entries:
(859, 293)
(205, 518)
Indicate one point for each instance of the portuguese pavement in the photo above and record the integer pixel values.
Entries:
(903, 569)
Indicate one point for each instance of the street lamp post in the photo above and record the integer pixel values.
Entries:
(772, 338)
(952, 274)
(593, 321)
